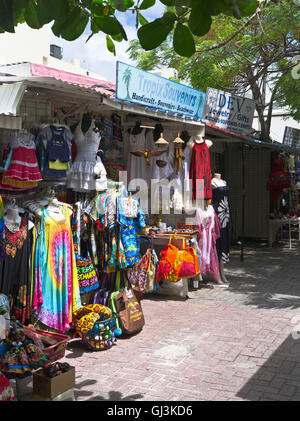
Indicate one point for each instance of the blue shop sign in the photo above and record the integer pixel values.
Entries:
(151, 90)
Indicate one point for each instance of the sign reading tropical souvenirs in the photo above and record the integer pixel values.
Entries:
(148, 89)
(227, 111)
(291, 137)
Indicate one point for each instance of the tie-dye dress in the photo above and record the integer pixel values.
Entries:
(56, 295)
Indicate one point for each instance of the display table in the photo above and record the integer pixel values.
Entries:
(277, 224)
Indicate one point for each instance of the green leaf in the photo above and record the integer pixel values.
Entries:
(186, 3)
(122, 5)
(215, 7)
(183, 41)
(110, 45)
(199, 21)
(118, 37)
(110, 25)
(32, 16)
(247, 7)
(154, 33)
(7, 15)
(141, 18)
(48, 10)
(45, 11)
(73, 26)
(97, 8)
(146, 4)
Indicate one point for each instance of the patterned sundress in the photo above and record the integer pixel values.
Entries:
(16, 262)
(56, 283)
(221, 206)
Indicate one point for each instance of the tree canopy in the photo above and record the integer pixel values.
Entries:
(250, 56)
(187, 20)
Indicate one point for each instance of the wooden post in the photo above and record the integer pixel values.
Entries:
(243, 203)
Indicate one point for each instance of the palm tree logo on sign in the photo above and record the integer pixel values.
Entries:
(126, 77)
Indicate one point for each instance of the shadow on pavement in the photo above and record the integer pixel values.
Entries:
(115, 396)
(278, 378)
(268, 278)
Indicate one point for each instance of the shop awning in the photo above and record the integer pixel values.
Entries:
(219, 134)
(153, 112)
(70, 93)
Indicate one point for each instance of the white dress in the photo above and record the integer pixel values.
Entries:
(137, 167)
(81, 177)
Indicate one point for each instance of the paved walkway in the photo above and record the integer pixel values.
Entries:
(233, 344)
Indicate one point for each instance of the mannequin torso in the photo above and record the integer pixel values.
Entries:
(217, 181)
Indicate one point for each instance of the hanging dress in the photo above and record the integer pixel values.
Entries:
(87, 276)
(208, 228)
(137, 167)
(15, 276)
(56, 294)
(22, 173)
(81, 178)
(221, 206)
(2, 232)
(200, 170)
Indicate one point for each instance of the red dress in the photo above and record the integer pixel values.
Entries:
(200, 170)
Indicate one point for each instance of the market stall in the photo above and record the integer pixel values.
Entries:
(97, 212)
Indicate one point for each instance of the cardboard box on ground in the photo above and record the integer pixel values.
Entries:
(48, 387)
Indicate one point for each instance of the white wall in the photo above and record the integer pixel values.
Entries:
(25, 44)
(33, 45)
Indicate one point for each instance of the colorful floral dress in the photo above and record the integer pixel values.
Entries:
(87, 276)
(2, 231)
(16, 261)
(56, 294)
(6, 391)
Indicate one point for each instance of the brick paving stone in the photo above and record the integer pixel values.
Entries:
(287, 390)
(232, 344)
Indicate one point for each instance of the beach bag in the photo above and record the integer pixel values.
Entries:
(186, 263)
(138, 274)
(129, 309)
(175, 263)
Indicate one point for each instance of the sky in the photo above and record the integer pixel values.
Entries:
(94, 55)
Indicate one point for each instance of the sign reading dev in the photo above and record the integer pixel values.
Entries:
(146, 88)
(227, 111)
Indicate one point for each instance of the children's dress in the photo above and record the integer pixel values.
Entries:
(21, 172)
(87, 164)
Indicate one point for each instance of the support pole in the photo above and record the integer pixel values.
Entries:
(243, 202)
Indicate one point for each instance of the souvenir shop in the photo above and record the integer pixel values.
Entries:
(82, 240)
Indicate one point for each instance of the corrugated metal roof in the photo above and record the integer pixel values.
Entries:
(249, 140)
(10, 98)
(102, 86)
